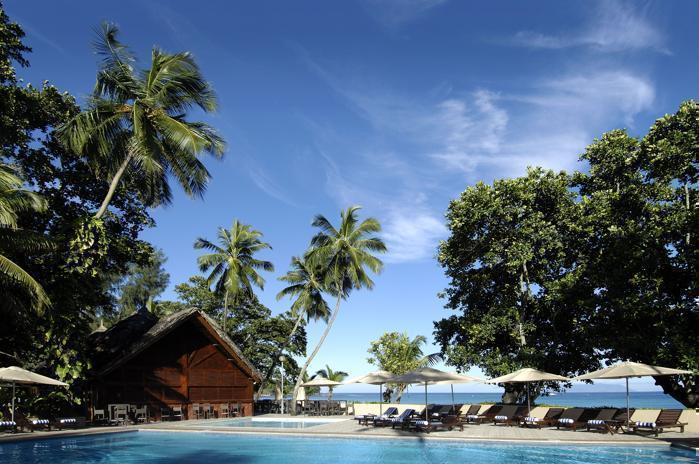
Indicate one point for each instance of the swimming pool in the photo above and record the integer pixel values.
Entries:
(186, 447)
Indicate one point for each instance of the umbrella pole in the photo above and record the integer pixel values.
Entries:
(453, 404)
(529, 406)
(13, 401)
(426, 403)
(380, 399)
(628, 419)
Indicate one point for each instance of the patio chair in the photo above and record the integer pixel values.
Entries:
(99, 417)
(197, 411)
(510, 415)
(165, 414)
(177, 413)
(208, 411)
(403, 419)
(342, 407)
(121, 415)
(548, 420)
(141, 414)
(577, 417)
(667, 418)
(384, 419)
(602, 421)
(224, 411)
(235, 412)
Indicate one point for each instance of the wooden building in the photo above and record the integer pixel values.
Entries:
(179, 360)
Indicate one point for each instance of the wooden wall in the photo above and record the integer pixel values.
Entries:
(181, 368)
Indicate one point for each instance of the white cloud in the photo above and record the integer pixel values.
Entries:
(412, 234)
(613, 27)
(394, 13)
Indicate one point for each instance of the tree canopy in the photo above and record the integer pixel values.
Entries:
(561, 272)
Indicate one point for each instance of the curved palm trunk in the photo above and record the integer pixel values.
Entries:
(112, 187)
(299, 380)
(263, 382)
(225, 311)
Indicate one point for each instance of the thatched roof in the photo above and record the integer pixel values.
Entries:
(134, 334)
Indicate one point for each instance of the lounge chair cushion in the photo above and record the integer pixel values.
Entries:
(531, 419)
(40, 421)
(646, 424)
(67, 421)
(472, 416)
(565, 421)
(501, 418)
(596, 422)
(7, 423)
(422, 422)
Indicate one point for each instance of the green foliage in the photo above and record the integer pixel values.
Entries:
(559, 272)
(343, 256)
(143, 283)
(397, 353)
(233, 264)
(134, 124)
(335, 376)
(88, 248)
(53, 343)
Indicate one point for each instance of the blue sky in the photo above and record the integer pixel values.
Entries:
(397, 105)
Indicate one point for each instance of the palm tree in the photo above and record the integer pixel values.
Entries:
(306, 285)
(233, 264)
(135, 125)
(14, 200)
(335, 376)
(344, 254)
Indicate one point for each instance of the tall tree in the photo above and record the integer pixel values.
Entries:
(345, 255)
(515, 282)
(142, 284)
(306, 286)
(135, 122)
(14, 199)
(397, 353)
(335, 376)
(233, 264)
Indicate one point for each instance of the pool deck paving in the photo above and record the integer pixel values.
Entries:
(344, 427)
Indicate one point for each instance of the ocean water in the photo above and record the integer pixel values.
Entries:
(653, 400)
(171, 448)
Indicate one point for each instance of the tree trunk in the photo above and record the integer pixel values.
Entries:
(263, 382)
(299, 380)
(687, 393)
(112, 187)
(225, 311)
(687, 204)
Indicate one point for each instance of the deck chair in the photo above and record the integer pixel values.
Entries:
(512, 416)
(444, 423)
(548, 420)
(471, 412)
(578, 417)
(603, 420)
(384, 419)
(403, 419)
(667, 418)
(488, 415)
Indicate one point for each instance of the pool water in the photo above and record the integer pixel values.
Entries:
(185, 447)
(268, 423)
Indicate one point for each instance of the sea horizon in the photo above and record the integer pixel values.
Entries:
(637, 399)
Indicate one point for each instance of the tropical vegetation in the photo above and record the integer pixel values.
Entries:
(335, 376)
(397, 353)
(557, 271)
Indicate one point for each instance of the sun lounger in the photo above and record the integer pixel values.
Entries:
(445, 423)
(603, 420)
(548, 420)
(578, 417)
(487, 416)
(471, 412)
(385, 418)
(510, 415)
(403, 420)
(31, 423)
(621, 419)
(667, 418)
(8, 425)
(68, 423)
